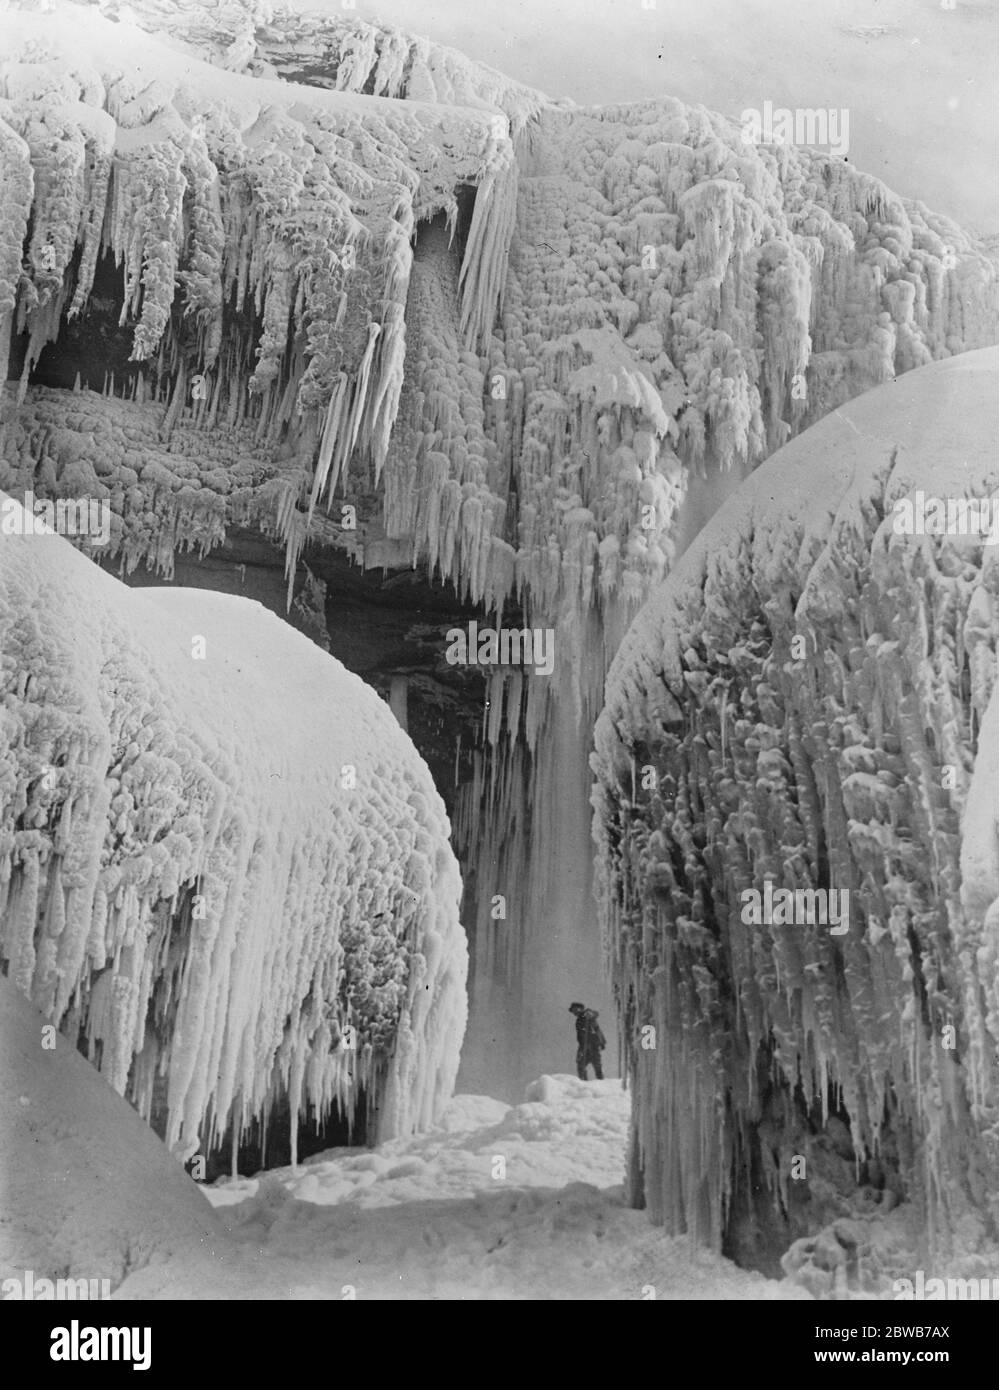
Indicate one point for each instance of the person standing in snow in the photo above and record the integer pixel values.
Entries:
(590, 1041)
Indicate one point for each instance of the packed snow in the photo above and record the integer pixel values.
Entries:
(434, 1217)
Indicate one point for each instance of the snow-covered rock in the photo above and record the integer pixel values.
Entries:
(221, 859)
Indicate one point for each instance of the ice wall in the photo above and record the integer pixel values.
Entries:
(677, 305)
(807, 698)
(641, 308)
(222, 862)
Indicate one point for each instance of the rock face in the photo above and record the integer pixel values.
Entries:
(341, 286)
(223, 865)
(808, 699)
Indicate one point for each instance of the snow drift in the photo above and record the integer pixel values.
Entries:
(809, 698)
(222, 862)
(87, 1191)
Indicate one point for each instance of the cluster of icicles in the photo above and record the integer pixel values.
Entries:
(673, 299)
(641, 297)
(263, 235)
(232, 913)
(803, 700)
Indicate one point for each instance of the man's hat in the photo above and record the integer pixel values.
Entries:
(577, 1008)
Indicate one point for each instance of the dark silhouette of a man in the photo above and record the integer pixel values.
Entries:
(590, 1041)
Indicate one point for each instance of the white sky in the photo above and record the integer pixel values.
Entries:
(921, 84)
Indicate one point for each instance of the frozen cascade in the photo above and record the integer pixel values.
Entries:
(809, 697)
(648, 361)
(194, 882)
(645, 306)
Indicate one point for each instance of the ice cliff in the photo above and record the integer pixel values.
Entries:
(326, 263)
(810, 697)
(223, 865)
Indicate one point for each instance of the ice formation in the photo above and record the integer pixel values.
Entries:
(676, 306)
(531, 401)
(809, 697)
(222, 862)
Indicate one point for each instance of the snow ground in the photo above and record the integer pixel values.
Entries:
(424, 1218)
(88, 1191)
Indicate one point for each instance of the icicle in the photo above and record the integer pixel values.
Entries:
(779, 766)
(483, 270)
(330, 431)
(16, 195)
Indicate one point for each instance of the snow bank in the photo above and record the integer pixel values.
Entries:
(87, 1191)
(219, 854)
(806, 698)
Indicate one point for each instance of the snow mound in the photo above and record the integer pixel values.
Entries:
(471, 1112)
(806, 699)
(221, 859)
(577, 1134)
(88, 1191)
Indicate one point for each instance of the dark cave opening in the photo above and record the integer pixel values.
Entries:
(91, 345)
(433, 232)
(266, 1142)
(465, 195)
(95, 349)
